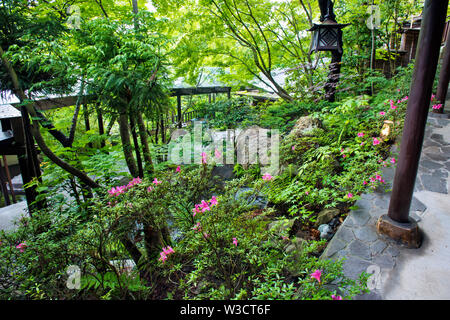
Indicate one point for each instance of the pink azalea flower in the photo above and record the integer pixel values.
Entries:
(349, 195)
(203, 157)
(267, 177)
(21, 246)
(364, 182)
(392, 105)
(156, 182)
(112, 191)
(393, 160)
(336, 297)
(343, 156)
(360, 134)
(165, 253)
(432, 97)
(196, 209)
(382, 113)
(316, 275)
(376, 141)
(437, 106)
(168, 250)
(307, 192)
(235, 242)
(162, 257)
(178, 169)
(150, 189)
(293, 148)
(205, 206)
(378, 177)
(213, 201)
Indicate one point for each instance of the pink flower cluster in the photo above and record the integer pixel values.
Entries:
(375, 179)
(21, 246)
(393, 107)
(316, 275)
(267, 177)
(203, 158)
(376, 141)
(115, 191)
(437, 106)
(205, 205)
(165, 253)
(235, 242)
(403, 99)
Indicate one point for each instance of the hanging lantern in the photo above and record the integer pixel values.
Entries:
(327, 36)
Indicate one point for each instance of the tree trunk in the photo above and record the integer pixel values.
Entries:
(144, 142)
(136, 146)
(34, 127)
(126, 144)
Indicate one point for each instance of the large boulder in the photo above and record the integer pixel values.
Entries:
(326, 215)
(282, 225)
(304, 126)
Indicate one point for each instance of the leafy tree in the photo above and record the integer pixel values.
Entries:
(247, 39)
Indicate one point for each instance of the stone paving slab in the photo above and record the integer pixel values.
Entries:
(394, 266)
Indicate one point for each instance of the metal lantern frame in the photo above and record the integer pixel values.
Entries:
(327, 36)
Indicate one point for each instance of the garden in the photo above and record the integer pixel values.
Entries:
(115, 217)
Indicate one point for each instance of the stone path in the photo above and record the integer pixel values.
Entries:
(10, 214)
(401, 273)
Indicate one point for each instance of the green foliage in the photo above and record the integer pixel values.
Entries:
(226, 114)
(227, 251)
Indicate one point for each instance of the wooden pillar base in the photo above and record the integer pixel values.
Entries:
(406, 233)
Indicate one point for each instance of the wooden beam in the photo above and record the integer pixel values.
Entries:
(60, 102)
(196, 91)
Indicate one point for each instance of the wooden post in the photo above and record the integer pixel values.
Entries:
(397, 223)
(444, 77)
(179, 111)
(3, 187)
(8, 177)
